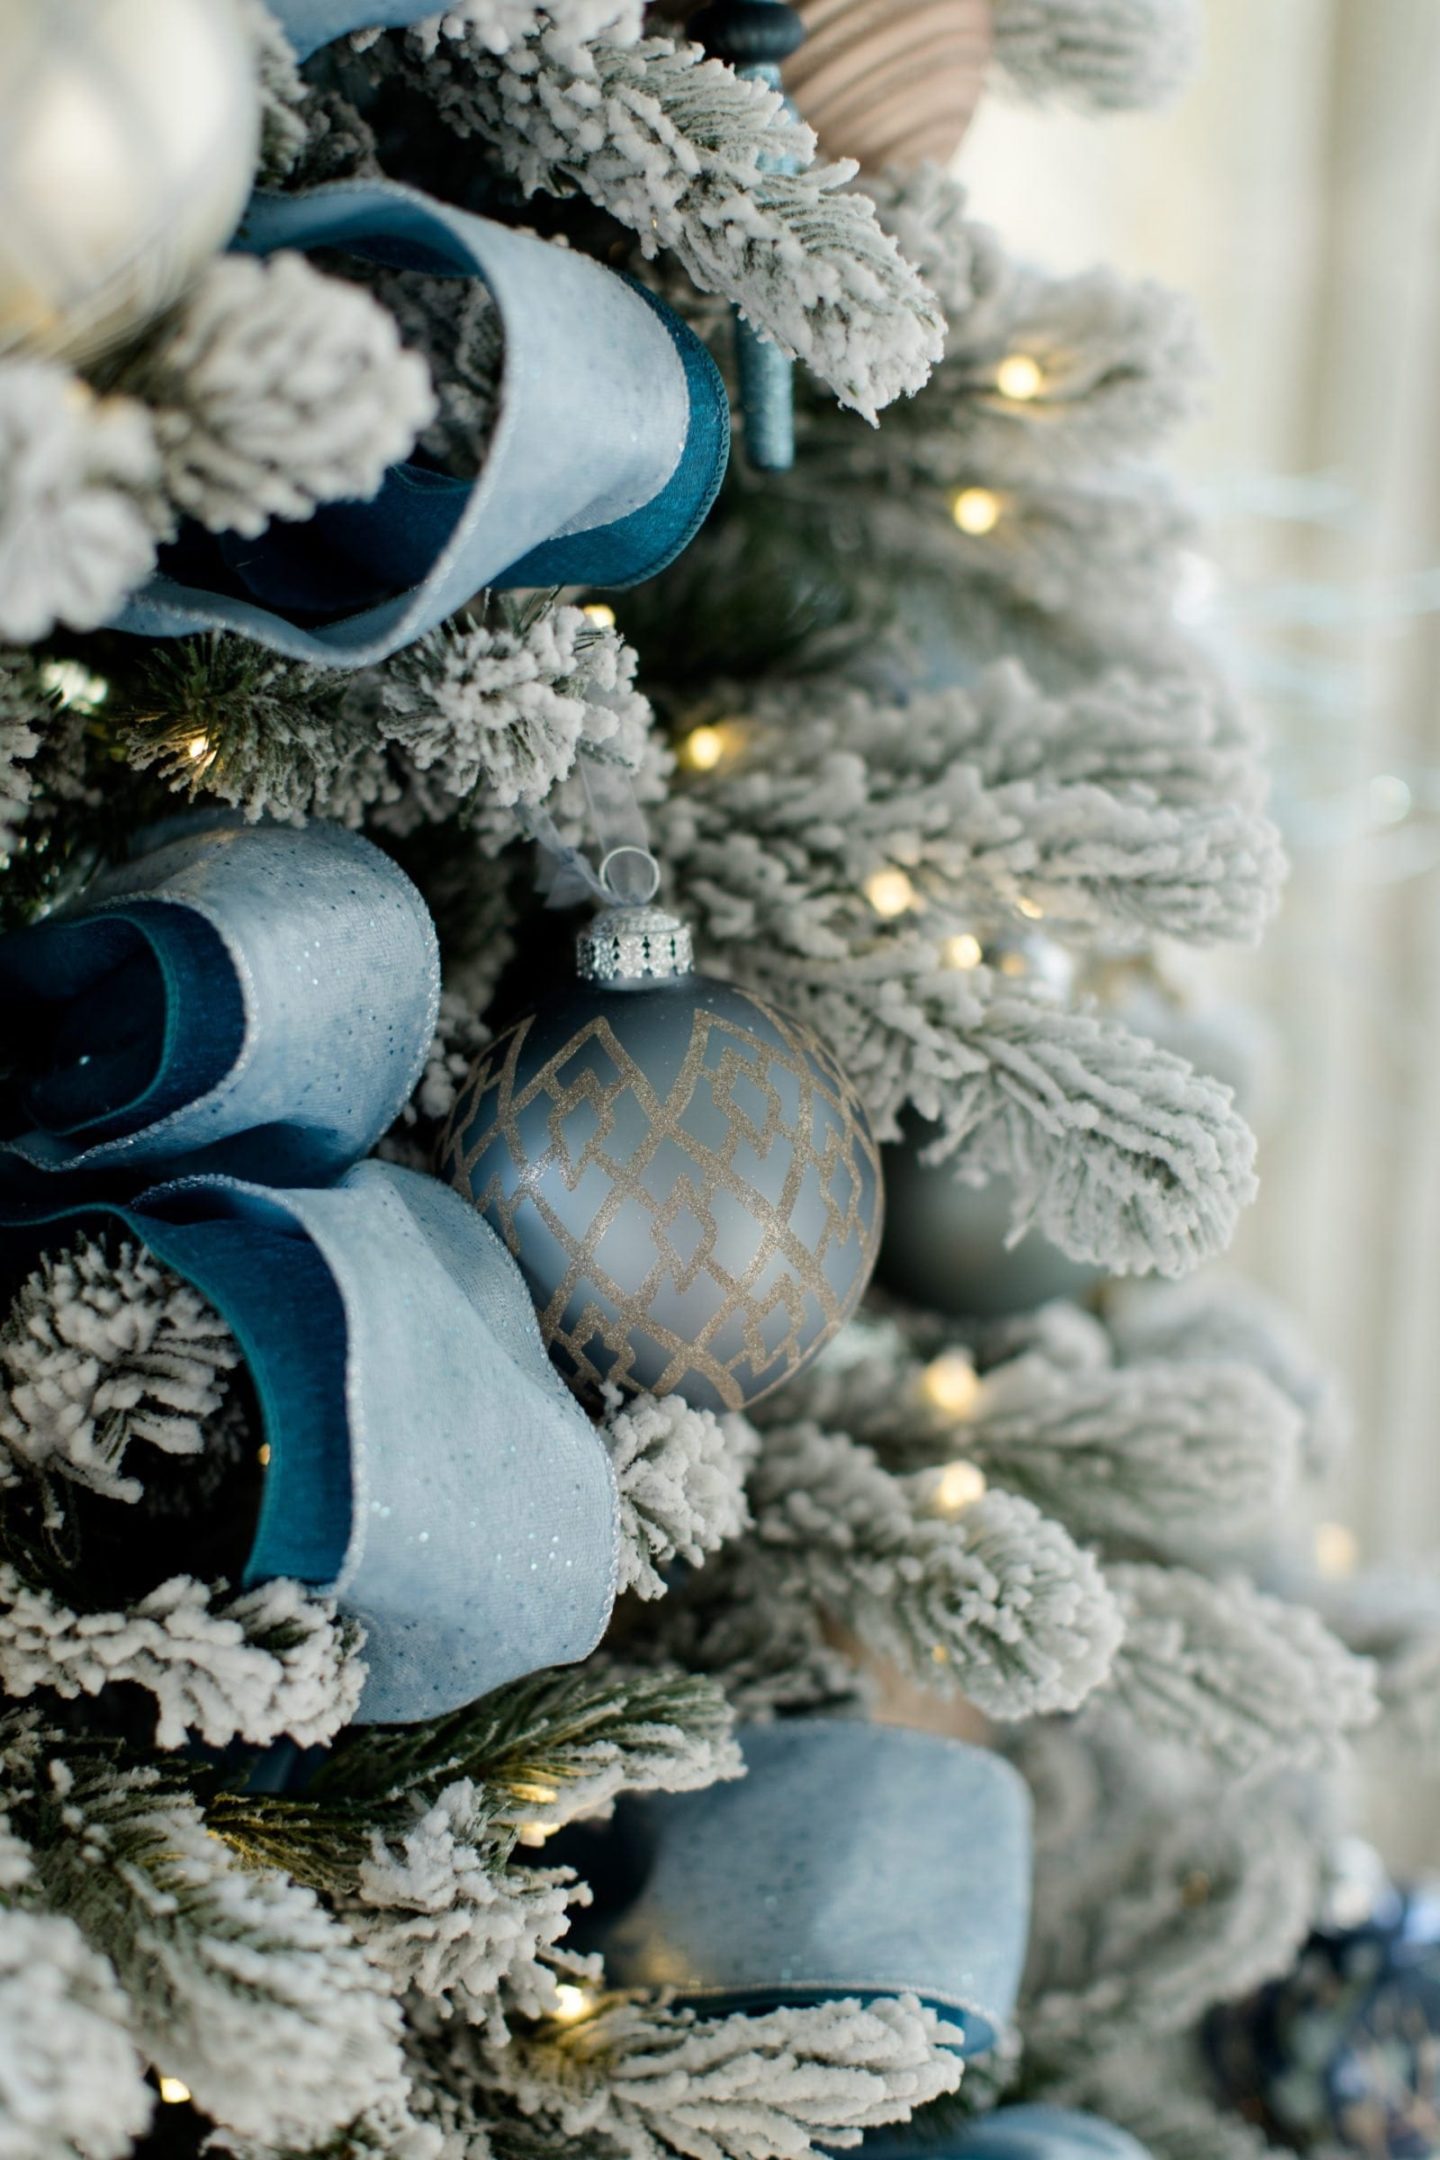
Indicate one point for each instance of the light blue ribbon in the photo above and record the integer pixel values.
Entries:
(852, 1859)
(1030, 2132)
(427, 1465)
(608, 450)
(309, 24)
(248, 999)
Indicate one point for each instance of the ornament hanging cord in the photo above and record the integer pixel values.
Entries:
(629, 875)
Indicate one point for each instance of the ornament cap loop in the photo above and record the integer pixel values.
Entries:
(633, 945)
(630, 875)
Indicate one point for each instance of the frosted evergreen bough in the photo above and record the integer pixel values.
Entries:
(996, 1601)
(1119, 360)
(484, 718)
(1165, 2098)
(271, 1661)
(22, 706)
(1185, 1911)
(70, 2079)
(495, 25)
(653, 2082)
(282, 94)
(1392, 1618)
(1222, 1668)
(80, 511)
(684, 152)
(279, 389)
(567, 1743)
(1226, 1320)
(100, 1351)
(456, 325)
(437, 1908)
(680, 1473)
(1110, 55)
(745, 1620)
(1127, 803)
(225, 1967)
(509, 708)
(1172, 1458)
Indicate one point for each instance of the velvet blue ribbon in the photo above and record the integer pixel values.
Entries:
(852, 1859)
(1029, 2132)
(427, 1465)
(248, 999)
(607, 453)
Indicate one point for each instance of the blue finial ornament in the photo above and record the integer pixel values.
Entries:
(755, 37)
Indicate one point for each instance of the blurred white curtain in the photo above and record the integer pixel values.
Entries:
(1296, 195)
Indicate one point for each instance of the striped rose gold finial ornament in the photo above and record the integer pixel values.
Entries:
(890, 82)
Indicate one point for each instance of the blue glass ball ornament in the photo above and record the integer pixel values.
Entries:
(946, 1240)
(685, 1176)
(1344, 2052)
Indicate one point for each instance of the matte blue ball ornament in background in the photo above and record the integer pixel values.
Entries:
(683, 1173)
(1343, 2054)
(945, 1240)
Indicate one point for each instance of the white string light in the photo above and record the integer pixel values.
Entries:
(976, 511)
(959, 1486)
(889, 892)
(951, 1383)
(964, 950)
(1019, 377)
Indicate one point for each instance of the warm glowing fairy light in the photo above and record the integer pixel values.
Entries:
(951, 1384)
(889, 892)
(172, 2090)
(1019, 377)
(964, 950)
(1337, 1550)
(976, 511)
(600, 615)
(571, 2004)
(959, 1485)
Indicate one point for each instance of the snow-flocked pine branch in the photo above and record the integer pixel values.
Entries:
(437, 1908)
(224, 1967)
(653, 2083)
(680, 1473)
(1140, 1936)
(1173, 1459)
(1107, 55)
(1220, 1320)
(689, 156)
(996, 1600)
(277, 389)
(1108, 364)
(70, 2079)
(80, 502)
(1126, 803)
(1241, 1678)
(484, 718)
(100, 1350)
(566, 1743)
(273, 1661)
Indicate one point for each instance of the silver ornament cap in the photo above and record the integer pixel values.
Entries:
(625, 945)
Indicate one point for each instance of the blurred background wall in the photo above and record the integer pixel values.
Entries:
(1295, 194)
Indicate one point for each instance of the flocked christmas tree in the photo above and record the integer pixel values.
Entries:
(928, 767)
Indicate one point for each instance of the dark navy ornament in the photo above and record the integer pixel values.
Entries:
(684, 1174)
(1343, 2054)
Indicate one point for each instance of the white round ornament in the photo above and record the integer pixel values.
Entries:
(129, 131)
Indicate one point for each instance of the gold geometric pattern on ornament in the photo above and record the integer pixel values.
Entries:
(755, 1308)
